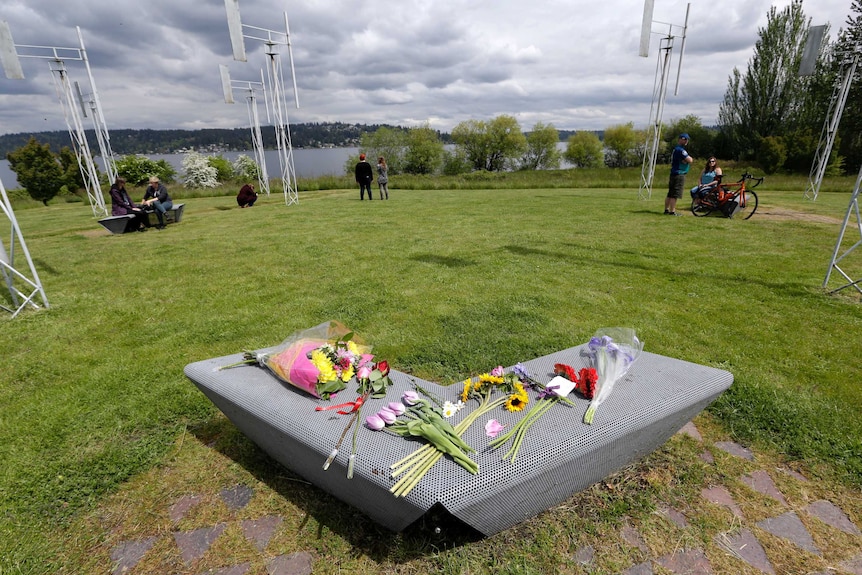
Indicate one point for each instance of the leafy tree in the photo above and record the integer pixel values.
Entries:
(455, 163)
(137, 169)
(542, 152)
(491, 146)
(585, 150)
(72, 177)
(37, 169)
(424, 153)
(621, 145)
(199, 173)
(702, 141)
(223, 167)
(772, 153)
(387, 142)
(767, 99)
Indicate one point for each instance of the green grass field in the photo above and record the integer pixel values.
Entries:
(444, 283)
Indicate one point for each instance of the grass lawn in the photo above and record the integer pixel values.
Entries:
(445, 284)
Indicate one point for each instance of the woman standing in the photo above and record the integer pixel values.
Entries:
(382, 177)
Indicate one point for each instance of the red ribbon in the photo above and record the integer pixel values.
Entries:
(354, 406)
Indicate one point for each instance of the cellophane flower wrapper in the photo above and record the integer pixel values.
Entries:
(290, 361)
(613, 351)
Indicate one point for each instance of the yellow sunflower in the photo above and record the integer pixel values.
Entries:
(517, 401)
(466, 393)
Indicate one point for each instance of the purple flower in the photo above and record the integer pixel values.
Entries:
(521, 371)
(375, 422)
(549, 391)
(410, 397)
(497, 371)
(396, 408)
(386, 415)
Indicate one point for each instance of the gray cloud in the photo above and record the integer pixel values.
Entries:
(572, 64)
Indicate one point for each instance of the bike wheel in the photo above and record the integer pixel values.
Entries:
(747, 204)
(700, 208)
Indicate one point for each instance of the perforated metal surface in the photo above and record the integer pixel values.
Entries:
(560, 455)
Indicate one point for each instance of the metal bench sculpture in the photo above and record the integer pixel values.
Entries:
(560, 457)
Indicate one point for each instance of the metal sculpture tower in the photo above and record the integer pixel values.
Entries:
(659, 89)
(276, 101)
(70, 100)
(250, 89)
(16, 279)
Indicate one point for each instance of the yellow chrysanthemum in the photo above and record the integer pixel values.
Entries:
(324, 366)
(351, 347)
(517, 402)
(347, 374)
(466, 393)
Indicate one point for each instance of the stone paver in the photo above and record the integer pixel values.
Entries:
(237, 497)
(183, 505)
(673, 515)
(707, 457)
(293, 564)
(193, 544)
(631, 536)
(829, 513)
(644, 568)
(585, 555)
(127, 553)
(761, 482)
(735, 449)
(789, 526)
(747, 547)
(687, 562)
(260, 531)
(721, 496)
(690, 430)
(853, 565)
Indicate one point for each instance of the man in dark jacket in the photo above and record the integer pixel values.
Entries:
(364, 176)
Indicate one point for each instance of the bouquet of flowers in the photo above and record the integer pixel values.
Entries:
(320, 360)
(613, 351)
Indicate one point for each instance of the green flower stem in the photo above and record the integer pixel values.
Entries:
(524, 425)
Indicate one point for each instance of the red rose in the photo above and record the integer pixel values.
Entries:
(383, 368)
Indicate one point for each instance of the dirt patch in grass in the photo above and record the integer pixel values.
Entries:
(776, 213)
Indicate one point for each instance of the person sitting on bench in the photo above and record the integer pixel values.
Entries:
(121, 205)
(157, 198)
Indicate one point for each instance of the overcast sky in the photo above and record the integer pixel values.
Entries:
(573, 64)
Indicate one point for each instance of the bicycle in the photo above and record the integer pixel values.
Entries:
(731, 199)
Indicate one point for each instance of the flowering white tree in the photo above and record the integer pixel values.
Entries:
(245, 167)
(198, 171)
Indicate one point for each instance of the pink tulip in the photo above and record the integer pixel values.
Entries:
(493, 427)
(497, 371)
(396, 408)
(364, 372)
(365, 359)
(410, 397)
(374, 422)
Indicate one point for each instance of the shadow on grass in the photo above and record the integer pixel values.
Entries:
(447, 261)
(435, 531)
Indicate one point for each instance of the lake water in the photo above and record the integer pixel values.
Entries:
(309, 163)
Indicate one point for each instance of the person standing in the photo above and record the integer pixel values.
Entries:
(156, 196)
(246, 196)
(679, 165)
(121, 205)
(382, 177)
(364, 176)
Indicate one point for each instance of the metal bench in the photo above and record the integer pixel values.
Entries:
(559, 457)
(123, 224)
